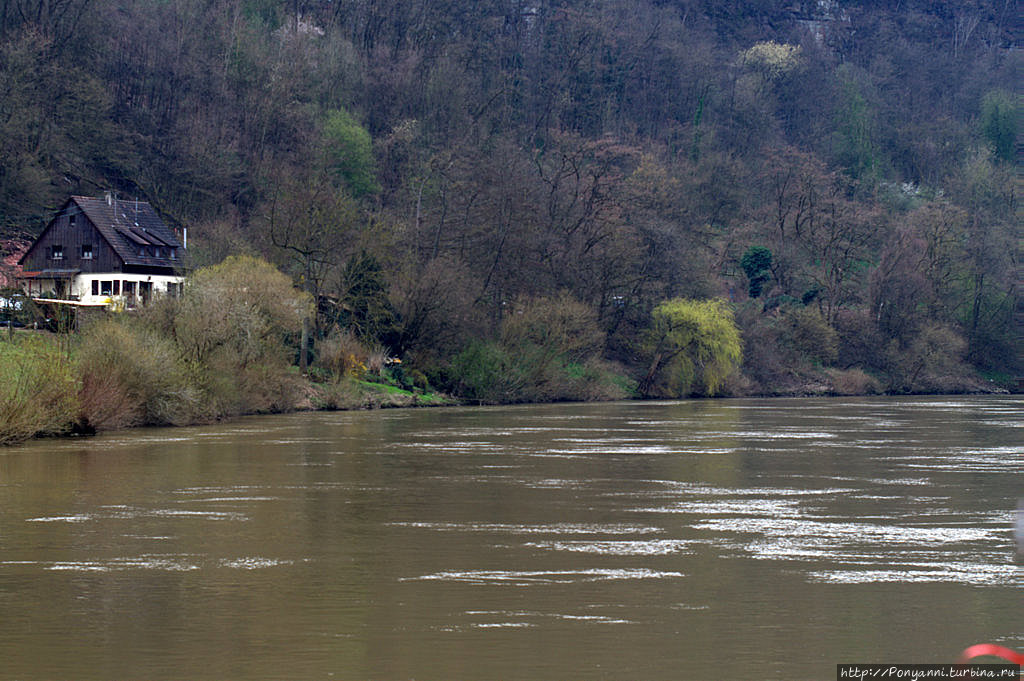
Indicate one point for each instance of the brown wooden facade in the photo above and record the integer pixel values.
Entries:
(80, 245)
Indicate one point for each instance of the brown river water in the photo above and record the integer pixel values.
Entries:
(727, 539)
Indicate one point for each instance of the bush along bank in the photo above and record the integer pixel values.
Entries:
(223, 349)
(38, 388)
(228, 346)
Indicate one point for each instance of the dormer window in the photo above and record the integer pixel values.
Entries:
(86, 251)
(56, 252)
(172, 253)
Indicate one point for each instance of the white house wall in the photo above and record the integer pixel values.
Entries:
(82, 285)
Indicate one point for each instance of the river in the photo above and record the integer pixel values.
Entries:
(705, 539)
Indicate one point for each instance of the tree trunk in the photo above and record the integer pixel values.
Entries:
(304, 346)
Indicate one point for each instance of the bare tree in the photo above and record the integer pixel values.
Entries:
(313, 225)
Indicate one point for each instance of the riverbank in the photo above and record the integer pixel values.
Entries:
(48, 390)
(238, 341)
(111, 379)
(830, 382)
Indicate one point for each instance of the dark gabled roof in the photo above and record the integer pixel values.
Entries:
(126, 225)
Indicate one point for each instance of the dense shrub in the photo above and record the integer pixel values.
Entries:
(597, 380)
(234, 322)
(561, 326)
(258, 389)
(131, 375)
(37, 388)
(242, 309)
(484, 372)
(853, 382)
(762, 362)
(549, 350)
(861, 344)
(810, 336)
(341, 355)
(933, 362)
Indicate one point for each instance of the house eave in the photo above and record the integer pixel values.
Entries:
(49, 274)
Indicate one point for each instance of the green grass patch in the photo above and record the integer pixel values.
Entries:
(402, 397)
(352, 393)
(1001, 379)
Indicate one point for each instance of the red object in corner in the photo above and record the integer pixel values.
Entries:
(993, 650)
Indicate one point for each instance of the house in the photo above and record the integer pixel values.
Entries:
(103, 251)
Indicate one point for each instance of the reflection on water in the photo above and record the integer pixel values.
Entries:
(705, 539)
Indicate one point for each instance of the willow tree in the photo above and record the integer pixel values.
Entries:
(692, 346)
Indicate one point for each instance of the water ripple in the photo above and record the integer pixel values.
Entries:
(657, 547)
(977, 574)
(554, 528)
(535, 577)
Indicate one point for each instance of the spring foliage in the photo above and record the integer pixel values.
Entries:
(37, 389)
(693, 346)
(349, 153)
(484, 157)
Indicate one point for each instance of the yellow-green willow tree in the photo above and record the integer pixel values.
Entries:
(692, 346)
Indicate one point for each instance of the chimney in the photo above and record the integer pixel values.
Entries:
(109, 196)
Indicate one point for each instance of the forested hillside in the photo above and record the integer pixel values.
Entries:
(505, 194)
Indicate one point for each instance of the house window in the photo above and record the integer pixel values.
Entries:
(57, 252)
(117, 287)
(95, 287)
(87, 252)
(156, 251)
(71, 220)
(174, 289)
(173, 253)
(129, 290)
(106, 288)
